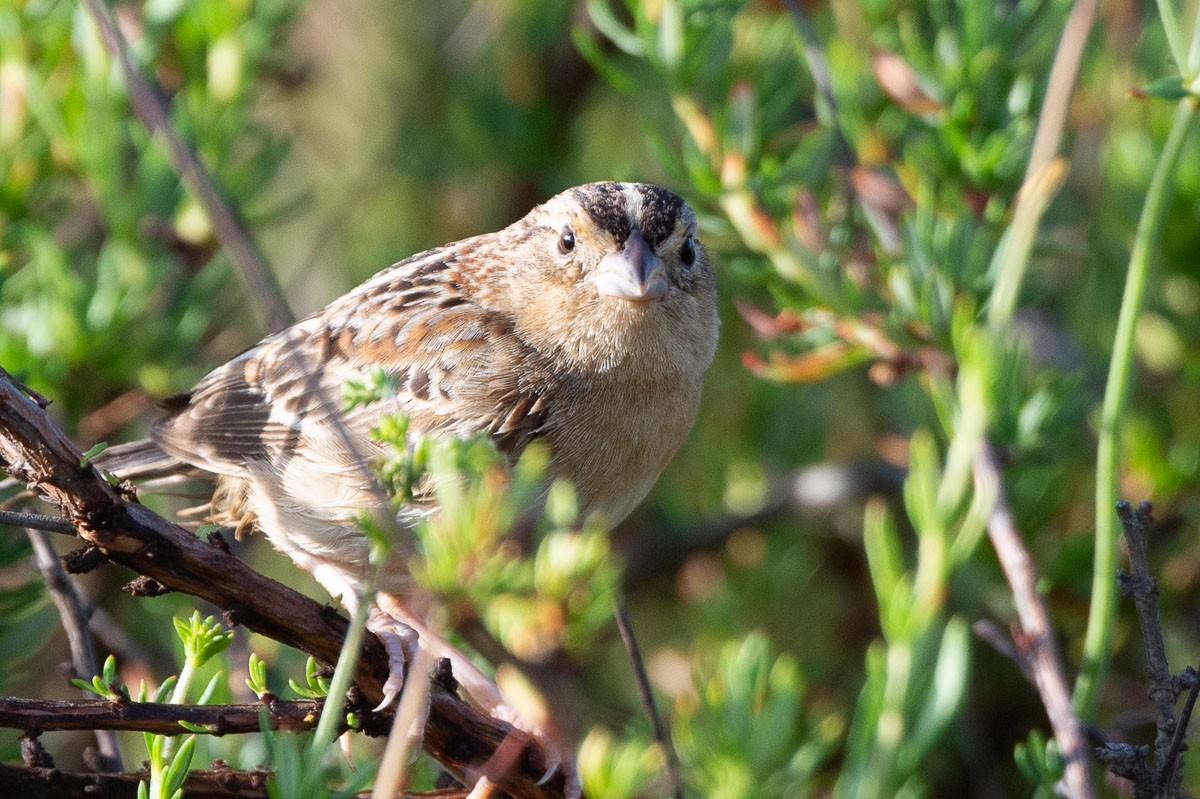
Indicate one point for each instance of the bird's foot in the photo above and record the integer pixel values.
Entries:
(483, 693)
(401, 643)
(560, 754)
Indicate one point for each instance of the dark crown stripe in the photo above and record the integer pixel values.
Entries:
(660, 210)
(605, 204)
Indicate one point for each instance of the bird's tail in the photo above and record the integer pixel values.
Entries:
(143, 463)
(147, 465)
(136, 461)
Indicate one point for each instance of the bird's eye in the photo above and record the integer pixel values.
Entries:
(687, 253)
(566, 240)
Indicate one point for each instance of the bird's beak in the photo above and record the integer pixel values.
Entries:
(633, 273)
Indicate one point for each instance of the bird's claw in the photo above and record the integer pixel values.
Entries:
(560, 756)
(401, 643)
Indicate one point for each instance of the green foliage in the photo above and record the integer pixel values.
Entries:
(105, 685)
(1040, 763)
(929, 139)
(376, 385)
(743, 733)
(202, 639)
(298, 774)
(99, 241)
(316, 684)
(615, 769)
(559, 596)
(24, 611)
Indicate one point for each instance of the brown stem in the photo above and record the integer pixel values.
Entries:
(662, 733)
(1140, 586)
(45, 715)
(36, 521)
(1175, 754)
(50, 783)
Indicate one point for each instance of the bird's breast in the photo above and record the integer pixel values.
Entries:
(613, 437)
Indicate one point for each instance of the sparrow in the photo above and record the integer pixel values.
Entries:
(588, 324)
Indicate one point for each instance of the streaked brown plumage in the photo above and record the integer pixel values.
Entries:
(589, 323)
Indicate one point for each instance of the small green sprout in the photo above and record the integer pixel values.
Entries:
(86, 457)
(376, 385)
(202, 639)
(105, 685)
(257, 681)
(317, 685)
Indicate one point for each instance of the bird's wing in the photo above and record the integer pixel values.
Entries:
(457, 366)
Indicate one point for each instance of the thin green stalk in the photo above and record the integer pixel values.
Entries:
(1191, 70)
(183, 685)
(1149, 231)
(1173, 30)
(331, 716)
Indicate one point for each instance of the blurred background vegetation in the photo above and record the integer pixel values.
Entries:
(806, 574)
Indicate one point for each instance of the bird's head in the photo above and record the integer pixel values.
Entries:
(612, 272)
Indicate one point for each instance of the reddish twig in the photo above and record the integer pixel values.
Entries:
(1036, 641)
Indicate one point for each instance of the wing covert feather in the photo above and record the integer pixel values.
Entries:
(457, 366)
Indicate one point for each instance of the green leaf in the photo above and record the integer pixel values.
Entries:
(1169, 87)
(178, 770)
(257, 681)
(86, 457)
(607, 23)
(884, 558)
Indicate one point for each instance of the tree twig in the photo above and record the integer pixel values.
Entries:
(1175, 753)
(73, 611)
(220, 782)
(51, 783)
(1140, 586)
(46, 715)
(662, 734)
(1036, 642)
(35, 450)
(148, 104)
(37, 521)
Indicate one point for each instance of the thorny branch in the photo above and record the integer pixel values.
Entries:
(107, 517)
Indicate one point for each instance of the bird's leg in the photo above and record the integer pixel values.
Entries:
(483, 693)
(398, 638)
